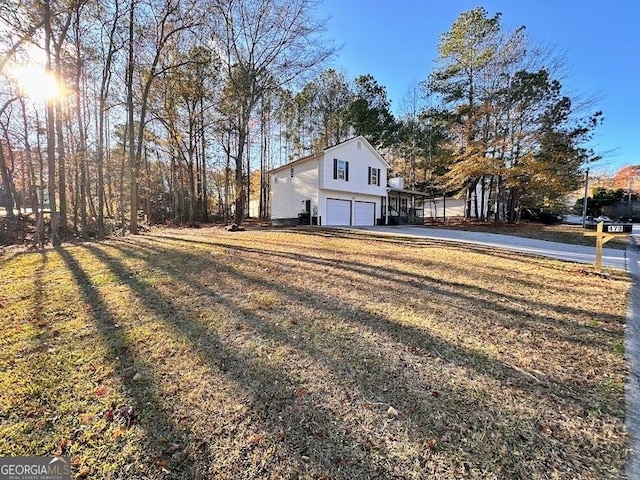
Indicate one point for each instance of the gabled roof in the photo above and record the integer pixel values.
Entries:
(313, 156)
(360, 138)
(317, 155)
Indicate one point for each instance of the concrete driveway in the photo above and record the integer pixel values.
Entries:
(561, 251)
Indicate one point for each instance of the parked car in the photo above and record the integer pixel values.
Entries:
(571, 219)
(539, 215)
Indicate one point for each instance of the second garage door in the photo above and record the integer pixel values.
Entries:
(365, 213)
(338, 212)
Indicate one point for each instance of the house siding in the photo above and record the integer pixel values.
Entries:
(288, 193)
(359, 160)
(455, 207)
(451, 207)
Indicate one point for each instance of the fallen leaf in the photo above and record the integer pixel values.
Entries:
(434, 394)
(117, 434)
(127, 415)
(254, 439)
(431, 444)
(544, 429)
(63, 446)
(86, 418)
(392, 412)
(171, 448)
(137, 376)
(101, 391)
(83, 473)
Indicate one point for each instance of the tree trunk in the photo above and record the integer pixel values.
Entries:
(81, 153)
(482, 201)
(62, 175)
(59, 117)
(51, 134)
(39, 237)
(104, 90)
(133, 168)
(203, 139)
(7, 197)
(239, 180)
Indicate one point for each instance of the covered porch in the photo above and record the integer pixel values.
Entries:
(403, 207)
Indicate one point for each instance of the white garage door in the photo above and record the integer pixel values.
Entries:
(338, 212)
(365, 214)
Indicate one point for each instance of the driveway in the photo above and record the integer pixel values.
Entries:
(561, 251)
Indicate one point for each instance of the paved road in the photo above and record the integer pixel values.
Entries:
(632, 355)
(625, 259)
(562, 251)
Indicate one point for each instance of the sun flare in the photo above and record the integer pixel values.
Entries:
(35, 83)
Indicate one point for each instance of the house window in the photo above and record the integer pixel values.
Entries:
(291, 172)
(374, 176)
(340, 170)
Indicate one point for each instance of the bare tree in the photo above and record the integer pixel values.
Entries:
(166, 21)
(105, 83)
(51, 132)
(264, 44)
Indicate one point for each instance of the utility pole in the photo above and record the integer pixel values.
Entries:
(630, 179)
(584, 201)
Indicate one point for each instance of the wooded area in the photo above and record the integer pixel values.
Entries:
(167, 111)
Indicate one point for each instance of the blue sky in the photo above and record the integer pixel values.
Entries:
(396, 42)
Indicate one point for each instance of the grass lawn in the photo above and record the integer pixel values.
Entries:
(306, 354)
(572, 234)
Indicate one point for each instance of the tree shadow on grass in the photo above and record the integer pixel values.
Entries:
(514, 306)
(37, 318)
(146, 405)
(251, 374)
(402, 390)
(306, 429)
(406, 334)
(587, 393)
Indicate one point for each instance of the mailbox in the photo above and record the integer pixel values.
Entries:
(614, 227)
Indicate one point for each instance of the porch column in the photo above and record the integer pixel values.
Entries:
(386, 212)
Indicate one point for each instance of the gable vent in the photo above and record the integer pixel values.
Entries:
(359, 145)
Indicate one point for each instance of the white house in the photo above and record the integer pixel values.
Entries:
(341, 185)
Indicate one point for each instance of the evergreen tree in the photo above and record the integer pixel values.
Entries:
(370, 112)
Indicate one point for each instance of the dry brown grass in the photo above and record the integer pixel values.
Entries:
(277, 354)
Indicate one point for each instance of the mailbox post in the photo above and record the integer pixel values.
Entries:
(607, 232)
